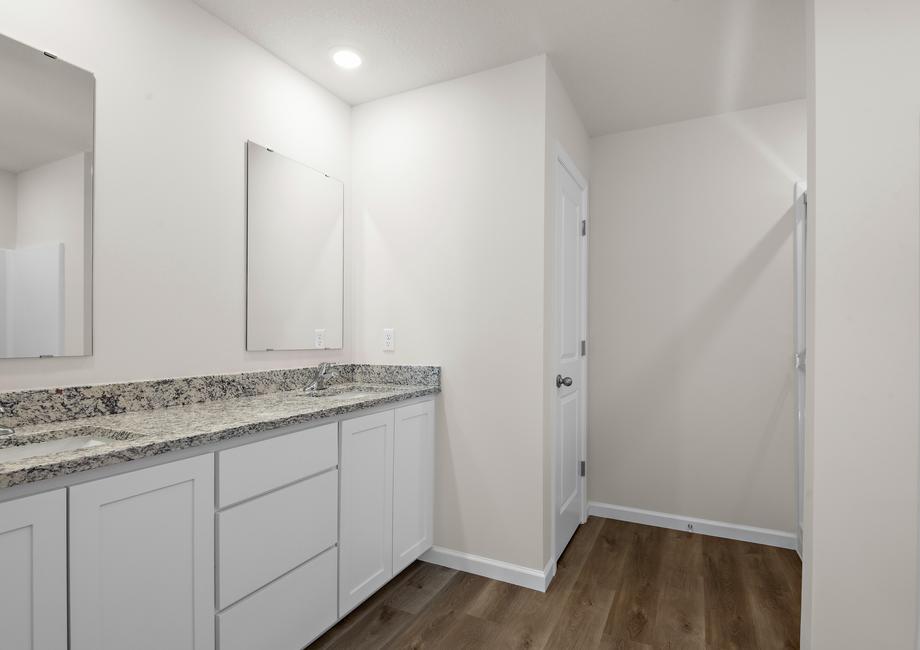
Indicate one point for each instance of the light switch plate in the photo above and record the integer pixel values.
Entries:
(319, 339)
(388, 345)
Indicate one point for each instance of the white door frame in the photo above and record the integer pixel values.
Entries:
(800, 208)
(561, 158)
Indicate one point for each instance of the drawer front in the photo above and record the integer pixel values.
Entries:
(264, 538)
(254, 469)
(287, 614)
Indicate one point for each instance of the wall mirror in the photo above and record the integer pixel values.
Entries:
(46, 204)
(295, 254)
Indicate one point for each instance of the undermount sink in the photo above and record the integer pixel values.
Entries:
(355, 394)
(16, 448)
(347, 392)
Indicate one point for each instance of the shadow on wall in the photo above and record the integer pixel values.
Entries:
(782, 408)
(664, 375)
(449, 525)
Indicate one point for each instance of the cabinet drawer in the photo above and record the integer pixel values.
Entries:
(254, 469)
(266, 537)
(287, 614)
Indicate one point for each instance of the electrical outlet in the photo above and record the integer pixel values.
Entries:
(388, 345)
(319, 339)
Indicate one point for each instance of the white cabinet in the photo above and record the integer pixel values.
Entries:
(387, 505)
(287, 614)
(366, 529)
(413, 483)
(142, 559)
(277, 565)
(264, 538)
(33, 566)
(143, 555)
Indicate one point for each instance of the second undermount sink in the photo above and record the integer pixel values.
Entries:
(348, 392)
(15, 448)
(355, 394)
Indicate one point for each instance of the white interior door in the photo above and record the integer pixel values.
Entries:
(801, 229)
(570, 231)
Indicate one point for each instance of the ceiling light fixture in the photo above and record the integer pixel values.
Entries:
(346, 58)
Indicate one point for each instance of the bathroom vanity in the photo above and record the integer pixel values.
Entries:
(233, 523)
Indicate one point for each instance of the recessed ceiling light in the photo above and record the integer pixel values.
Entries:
(346, 58)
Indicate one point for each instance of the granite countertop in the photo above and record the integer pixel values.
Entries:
(139, 434)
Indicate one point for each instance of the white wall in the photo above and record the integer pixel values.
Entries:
(690, 317)
(449, 211)
(51, 210)
(564, 129)
(7, 210)
(860, 570)
(178, 95)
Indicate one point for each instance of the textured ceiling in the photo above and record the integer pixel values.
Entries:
(626, 63)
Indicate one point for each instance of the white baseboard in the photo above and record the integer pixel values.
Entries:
(703, 526)
(489, 568)
(549, 572)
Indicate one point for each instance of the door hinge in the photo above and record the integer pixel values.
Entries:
(581, 468)
(584, 227)
(584, 347)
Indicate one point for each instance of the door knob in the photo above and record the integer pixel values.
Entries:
(563, 381)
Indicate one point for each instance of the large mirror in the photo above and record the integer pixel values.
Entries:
(46, 204)
(295, 254)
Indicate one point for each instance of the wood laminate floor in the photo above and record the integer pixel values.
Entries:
(618, 585)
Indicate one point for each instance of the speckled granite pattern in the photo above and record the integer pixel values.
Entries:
(62, 404)
(88, 431)
(149, 432)
(404, 375)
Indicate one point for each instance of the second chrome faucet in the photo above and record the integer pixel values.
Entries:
(325, 372)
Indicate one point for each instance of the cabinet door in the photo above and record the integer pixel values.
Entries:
(33, 566)
(366, 537)
(142, 559)
(413, 483)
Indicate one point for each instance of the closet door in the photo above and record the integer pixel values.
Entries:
(413, 483)
(33, 572)
(142, 559)
(366, 534)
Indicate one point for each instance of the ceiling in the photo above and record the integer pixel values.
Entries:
(626, 64)
(46, 108)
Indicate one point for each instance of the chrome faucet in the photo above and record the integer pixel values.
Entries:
(5, 431)
(324, 374)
